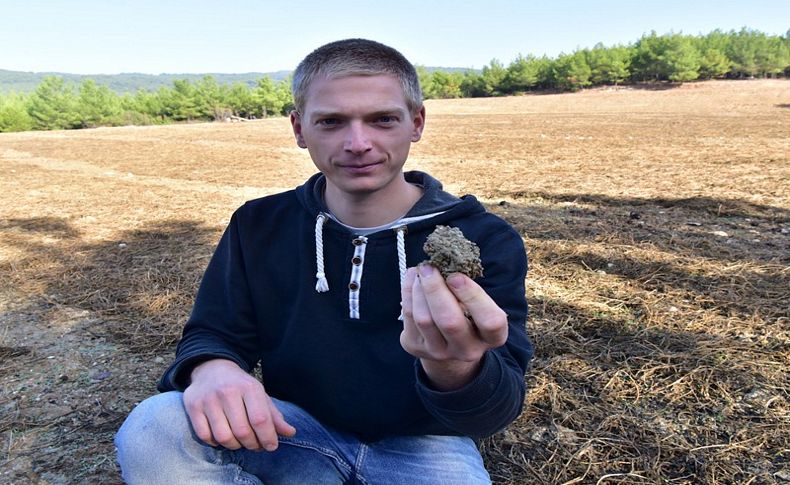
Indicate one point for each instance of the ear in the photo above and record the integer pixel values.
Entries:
(418, 120)
(296, 124)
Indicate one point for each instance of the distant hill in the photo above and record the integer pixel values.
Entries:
(24, 82)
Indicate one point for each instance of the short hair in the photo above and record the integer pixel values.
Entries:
(356, 57)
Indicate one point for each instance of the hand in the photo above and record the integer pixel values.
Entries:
(449, 325)
(229, 407)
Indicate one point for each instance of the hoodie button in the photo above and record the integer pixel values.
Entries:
(353, 286)
(358, 241)
(356, 260)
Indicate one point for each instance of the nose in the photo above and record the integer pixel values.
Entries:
(357, 140)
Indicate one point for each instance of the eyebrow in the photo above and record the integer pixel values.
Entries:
(380, 112)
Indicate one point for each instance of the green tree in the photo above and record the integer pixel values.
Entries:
(492, 76)
(609, 65)
(742, 52)
(272, 98)
(445, 85)
(181, 102)
(241, 100)
(146, 106)
(523, 74)
(211, 99)
(571, 71)
(772, 57)
(13, 113)
(681, 60)
(53, 106)
(426, 81)
(97, 105)
(671, 57)
(713, 64)
(472, 85)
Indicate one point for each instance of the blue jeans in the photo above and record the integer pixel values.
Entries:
(156, 444)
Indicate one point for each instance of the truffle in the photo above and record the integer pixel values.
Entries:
(450, 252)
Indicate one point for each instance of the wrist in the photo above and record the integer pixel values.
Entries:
(209, 365)
(450, 375)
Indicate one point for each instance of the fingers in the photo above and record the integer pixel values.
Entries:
(228, 407)
(202, 428)
(434, 341)
(257, 425)
(281, 426)
(488, 318)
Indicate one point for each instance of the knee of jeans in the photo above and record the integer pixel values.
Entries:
(153, 422)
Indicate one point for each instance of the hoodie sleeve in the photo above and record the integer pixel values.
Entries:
(496, 396)
(222, 323)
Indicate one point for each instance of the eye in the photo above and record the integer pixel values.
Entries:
(386, 120)
(328, 122)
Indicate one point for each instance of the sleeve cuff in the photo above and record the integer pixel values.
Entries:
(472, 396)
(176, 377)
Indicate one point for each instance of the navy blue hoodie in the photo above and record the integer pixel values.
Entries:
(258, 302)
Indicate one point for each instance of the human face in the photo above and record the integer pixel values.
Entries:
(358, 131)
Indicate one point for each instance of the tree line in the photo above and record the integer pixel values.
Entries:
(57, 104)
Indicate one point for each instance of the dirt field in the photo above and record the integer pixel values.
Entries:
(657, 223)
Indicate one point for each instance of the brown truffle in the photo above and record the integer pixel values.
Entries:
(451, 252)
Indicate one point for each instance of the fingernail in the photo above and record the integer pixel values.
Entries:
(426, 270)
(411, 273)
(270, 447)
(456, 281)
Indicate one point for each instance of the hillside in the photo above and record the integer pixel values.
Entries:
(19, 81)
(130, 82)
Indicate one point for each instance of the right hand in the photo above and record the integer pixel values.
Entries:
(229, 407)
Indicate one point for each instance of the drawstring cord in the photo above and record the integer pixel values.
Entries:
(401, 233)
(322, 285)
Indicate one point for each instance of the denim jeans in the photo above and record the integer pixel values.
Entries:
(156, 444)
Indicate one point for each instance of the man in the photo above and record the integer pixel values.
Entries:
(371, 372)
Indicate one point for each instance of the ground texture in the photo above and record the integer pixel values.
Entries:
(657, 222)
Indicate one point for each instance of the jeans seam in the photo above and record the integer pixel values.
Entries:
(363, 453)
(324, 451)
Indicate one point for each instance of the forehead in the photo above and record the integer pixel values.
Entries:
(355, 92)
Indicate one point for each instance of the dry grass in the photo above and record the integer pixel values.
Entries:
(657, 224)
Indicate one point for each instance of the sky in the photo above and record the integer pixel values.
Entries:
(238, 36)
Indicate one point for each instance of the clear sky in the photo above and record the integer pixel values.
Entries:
(236, 36)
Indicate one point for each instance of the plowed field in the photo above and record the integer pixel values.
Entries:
(657, 222)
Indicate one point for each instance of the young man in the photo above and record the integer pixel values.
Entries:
(372, 372)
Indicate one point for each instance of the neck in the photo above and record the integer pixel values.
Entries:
(374, 208)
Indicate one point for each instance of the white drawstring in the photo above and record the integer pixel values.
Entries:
(401, 233)
(322, 285)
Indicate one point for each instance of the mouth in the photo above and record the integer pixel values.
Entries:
(360, 168)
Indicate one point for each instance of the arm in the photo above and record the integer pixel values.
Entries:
(222, 322)
(225, 404)
(470, 371)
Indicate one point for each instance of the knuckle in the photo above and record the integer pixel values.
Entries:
(225, 438)
(244, 434)
(227, 392)
(204, 435)
(423, 322)
(453, 328)
(259, 420)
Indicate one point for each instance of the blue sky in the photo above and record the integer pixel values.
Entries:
(234, 36)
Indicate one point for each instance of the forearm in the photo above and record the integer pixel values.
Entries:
(450, 375)
(483, 406)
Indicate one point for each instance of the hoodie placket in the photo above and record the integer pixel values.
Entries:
(355, 282)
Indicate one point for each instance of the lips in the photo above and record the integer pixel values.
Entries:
(360, 168)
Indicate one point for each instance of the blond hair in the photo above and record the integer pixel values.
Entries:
(356, 57)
